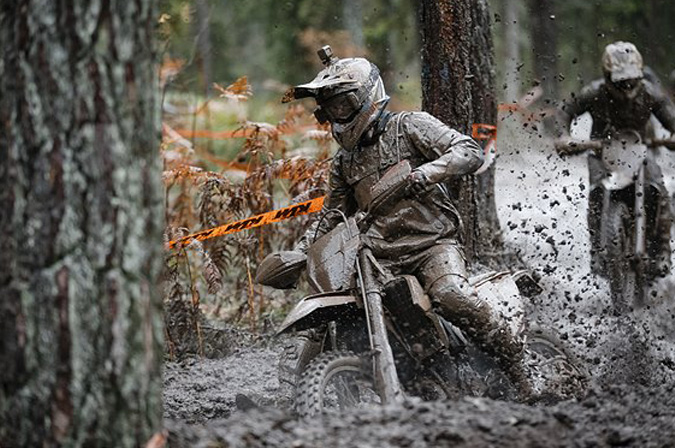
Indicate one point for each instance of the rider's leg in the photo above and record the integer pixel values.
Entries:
(660, 220)
(444, 277)
(598, 251)
(596, 172)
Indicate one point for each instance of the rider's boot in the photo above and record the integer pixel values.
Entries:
(662, 263)
(456, 300)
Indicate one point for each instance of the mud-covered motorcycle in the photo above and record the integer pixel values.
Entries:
(625, 216)
(366, 336)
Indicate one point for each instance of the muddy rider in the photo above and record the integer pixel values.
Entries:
(624, 100)
(421, 234)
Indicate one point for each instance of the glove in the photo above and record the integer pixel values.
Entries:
(417, 183)
(566, 145)
(562, 144)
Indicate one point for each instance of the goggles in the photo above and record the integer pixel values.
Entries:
(340, 108)
(627, 84)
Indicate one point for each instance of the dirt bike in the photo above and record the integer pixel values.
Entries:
(623, 230)
(357, 343)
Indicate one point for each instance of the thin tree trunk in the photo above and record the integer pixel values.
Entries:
(204, 44)
(458, 88)
(512, 28)
(544, 41)
(80, 225)
(352, 13)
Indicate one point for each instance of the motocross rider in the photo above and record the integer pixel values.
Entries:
(421, 234)
(624, 100)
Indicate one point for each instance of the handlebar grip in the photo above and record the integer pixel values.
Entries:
(670, 144)
(576, 147)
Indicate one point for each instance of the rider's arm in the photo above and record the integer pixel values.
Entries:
(451, 153)
(575, 106)
(663, 109)
(339, 197)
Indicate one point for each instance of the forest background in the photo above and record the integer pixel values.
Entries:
(232, 150)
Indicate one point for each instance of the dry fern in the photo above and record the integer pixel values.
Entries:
(240, 90)
(197, 198)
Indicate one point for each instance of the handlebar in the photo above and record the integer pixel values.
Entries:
(574, 147)
(667, 143)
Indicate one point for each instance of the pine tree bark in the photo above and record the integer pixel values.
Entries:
(203, 37)
(544, 42)
(80, 224)
(512, 28)
(352, 16)
(458, 88)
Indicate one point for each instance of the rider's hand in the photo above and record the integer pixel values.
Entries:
(565, 145)
(417, 183)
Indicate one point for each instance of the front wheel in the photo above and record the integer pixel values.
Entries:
(555, 373)
(618, 241)
(335, 381)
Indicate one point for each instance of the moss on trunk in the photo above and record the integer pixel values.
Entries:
(80, 222)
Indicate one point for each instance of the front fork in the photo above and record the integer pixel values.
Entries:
(639, 258)
(640, 235)
(386, 377)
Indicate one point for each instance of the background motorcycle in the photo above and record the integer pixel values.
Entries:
(360, 344)
(624, 217)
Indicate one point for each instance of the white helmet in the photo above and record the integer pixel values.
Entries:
(349, 94)
(623, 67)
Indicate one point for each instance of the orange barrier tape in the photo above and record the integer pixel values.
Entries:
(216, 135)
(303, 208)
(510, 107)
(239, 133)
(482, 131)
(239, 166)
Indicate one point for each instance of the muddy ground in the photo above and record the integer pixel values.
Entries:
(542, 208)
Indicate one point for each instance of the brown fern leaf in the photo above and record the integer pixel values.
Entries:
(293, 115)
(170, 68)
(213, 202)
(188, 172)
(222, 252)
(240, 90)
(322, 136)
(212, 275)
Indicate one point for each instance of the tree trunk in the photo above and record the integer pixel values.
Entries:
(203, 36)
(80, 225)
(512, 30)
(544, 41)
(458, 88)
(352, 15)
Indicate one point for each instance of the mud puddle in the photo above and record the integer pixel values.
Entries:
(631, 358)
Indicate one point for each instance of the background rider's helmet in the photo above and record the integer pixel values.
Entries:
(349, 94)
(623, 66)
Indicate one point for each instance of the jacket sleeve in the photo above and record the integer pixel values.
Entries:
(575, 106)
(450, 152)
(663, 109)
(340, 197)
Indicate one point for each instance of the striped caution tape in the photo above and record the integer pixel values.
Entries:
(482, 131)
(303, 208)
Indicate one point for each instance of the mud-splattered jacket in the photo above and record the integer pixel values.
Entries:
(414, 223)
(613, 112)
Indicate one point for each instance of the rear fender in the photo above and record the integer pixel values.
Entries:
(312, 311)
(500, 290)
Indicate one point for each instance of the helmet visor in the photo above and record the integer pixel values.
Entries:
(341, 108)
(627, 85)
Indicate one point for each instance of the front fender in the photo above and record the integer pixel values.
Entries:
(315, 310)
